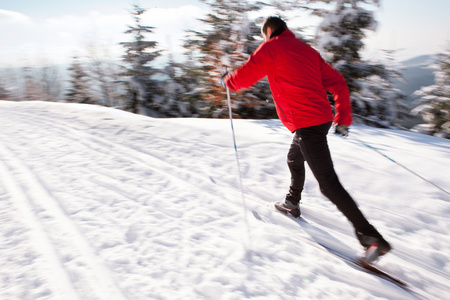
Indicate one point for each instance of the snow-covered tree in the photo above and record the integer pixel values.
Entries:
(189, 77)
(105, 74)
(435, 99)
(50, 84)
(177, 99)
(80, 90)
(340, 41)
(4, 94)
(139, 54)
(30, 85)
(10, 78)
(226, 45)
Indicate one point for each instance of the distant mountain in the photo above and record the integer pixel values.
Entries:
(417, 73)
(418, 61)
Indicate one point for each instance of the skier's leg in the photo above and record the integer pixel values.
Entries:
(314, 146)
(296, 164)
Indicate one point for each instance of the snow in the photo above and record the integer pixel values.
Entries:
(98, 203)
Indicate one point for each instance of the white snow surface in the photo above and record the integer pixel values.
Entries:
(98, 203)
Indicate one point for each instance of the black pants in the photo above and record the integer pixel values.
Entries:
(310, 145)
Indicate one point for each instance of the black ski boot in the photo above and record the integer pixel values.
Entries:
(374, 244)
(289, 208)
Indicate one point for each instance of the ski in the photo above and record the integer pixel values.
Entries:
(319, 240)
(374, 270)
(371, 268)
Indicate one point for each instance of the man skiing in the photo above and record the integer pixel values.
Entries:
(299, 79)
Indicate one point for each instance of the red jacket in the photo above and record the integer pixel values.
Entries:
(298, 78)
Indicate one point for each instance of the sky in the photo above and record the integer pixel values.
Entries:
(53, 31)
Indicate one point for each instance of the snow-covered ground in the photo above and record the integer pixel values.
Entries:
(102, 204)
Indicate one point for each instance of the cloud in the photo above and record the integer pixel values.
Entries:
(59, 38)
(171, 24)
(12, 17)
(14, 27)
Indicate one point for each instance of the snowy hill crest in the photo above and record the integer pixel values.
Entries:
(102, 204)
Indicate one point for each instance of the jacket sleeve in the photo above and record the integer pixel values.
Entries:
(256, 68)
(335, 83)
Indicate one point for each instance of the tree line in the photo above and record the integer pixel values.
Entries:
(191, 88)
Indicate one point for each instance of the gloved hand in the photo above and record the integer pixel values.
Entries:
(222, 78)
(341, 130)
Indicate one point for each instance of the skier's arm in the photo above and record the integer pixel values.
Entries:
(256, 68)
(335, 83)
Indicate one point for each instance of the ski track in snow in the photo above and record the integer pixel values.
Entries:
(57, 235)
(101, 204)
(170, 177)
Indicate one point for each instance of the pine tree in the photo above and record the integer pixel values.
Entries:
(177, 101)
(139, 54)
(226, 45)
(80, 88)
(190, 76)
(340, 42)
(435, 99)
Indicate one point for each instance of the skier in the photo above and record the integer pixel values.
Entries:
(299, 79)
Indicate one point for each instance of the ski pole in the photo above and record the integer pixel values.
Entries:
(240, 174)
(399, 164)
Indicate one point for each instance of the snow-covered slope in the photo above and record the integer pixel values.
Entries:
(102, 204)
